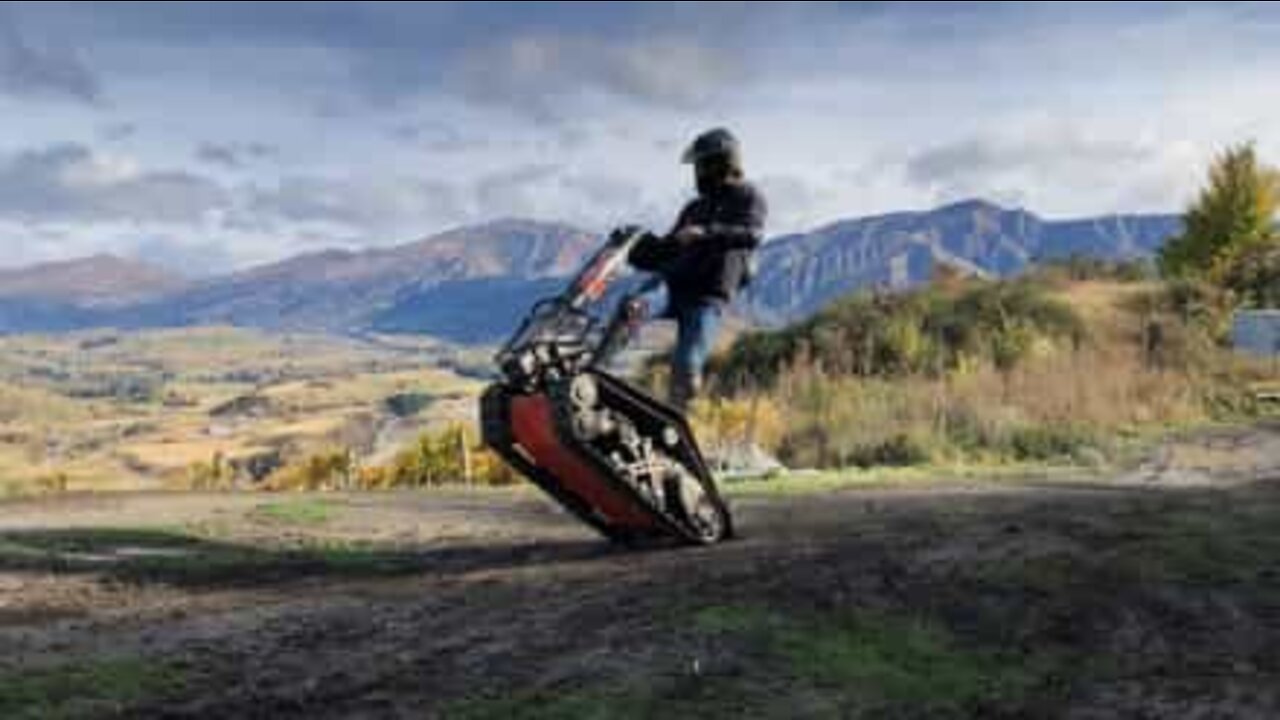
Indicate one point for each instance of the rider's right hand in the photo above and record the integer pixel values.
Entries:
(626, 231)
(648, 253)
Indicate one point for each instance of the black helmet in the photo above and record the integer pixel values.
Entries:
(713, 143)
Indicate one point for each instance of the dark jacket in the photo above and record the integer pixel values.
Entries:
(715, 266)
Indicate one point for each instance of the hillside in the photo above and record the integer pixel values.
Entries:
(90, 281)
(471, 284)
(105, 410)
(1046, 368)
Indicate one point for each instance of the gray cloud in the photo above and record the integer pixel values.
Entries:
(395, 204)
(439, 138)
(1010, 168)
(551, 192)
(69, 182)
(603, 191)
(28, 69)
(534, 73)
(987, 156)
(234, 155)
(118, 131)
(518, 191)
(794, 200)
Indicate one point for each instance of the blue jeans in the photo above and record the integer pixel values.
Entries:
(698, 324)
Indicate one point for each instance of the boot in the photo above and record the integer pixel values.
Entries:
(684, 388)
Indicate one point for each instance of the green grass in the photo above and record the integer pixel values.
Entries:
(585, 704)
(851, 664)
(902, 661)
(863, 661)
(298, 512)
(816, 483)
(146, 555)
(1214, 548)
(733, 619)
(89, 689)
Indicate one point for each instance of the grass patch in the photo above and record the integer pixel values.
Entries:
(902, 661)
(868, 663)
(816, 483)
(674, 697)
(89, 689)
(175, 558)
(733, 619)
(858, 664)
(297, 512)
(799, 484)
(590, 704)
(1211, 547)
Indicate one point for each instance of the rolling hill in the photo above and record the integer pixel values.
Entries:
(91, 281)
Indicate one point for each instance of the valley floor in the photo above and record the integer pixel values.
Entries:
(1153, 594)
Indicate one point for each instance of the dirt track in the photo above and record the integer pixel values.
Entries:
(1155, 594)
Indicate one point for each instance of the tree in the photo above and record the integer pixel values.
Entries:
(1235, 212)
(1253, 274)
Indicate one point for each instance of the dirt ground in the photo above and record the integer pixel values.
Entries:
(1152, 593)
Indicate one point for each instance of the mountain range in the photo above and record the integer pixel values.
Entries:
(800, 273)
(472, 284)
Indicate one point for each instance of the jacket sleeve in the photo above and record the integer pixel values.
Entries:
(742, 226)
(655, 252)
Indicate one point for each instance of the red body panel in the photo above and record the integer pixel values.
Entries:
(533, 428)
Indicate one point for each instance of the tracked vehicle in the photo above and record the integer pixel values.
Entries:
(617, 458)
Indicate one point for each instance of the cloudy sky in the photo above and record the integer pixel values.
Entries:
(212, 135)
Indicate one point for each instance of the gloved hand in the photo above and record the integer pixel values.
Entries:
(625, 231)
(650, 253)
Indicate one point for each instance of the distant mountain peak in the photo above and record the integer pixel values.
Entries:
(969, 205)
(801, 273)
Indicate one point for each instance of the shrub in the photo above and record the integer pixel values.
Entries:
(404, 405)
(53, 483)
(899, 451)
(931, 331)
(449, 455)
(327, 469)
(212, 475)
(1048, 442)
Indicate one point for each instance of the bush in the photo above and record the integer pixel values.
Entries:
(899, 451)
(404, 405)
(930, 331)
(212, 475)
(1184, 323)
(327, 469)
(137, 389)
(53, 484)
(736, 422)
(450, 455)
(1048, 442)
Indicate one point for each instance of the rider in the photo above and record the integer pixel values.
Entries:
(708, 255)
